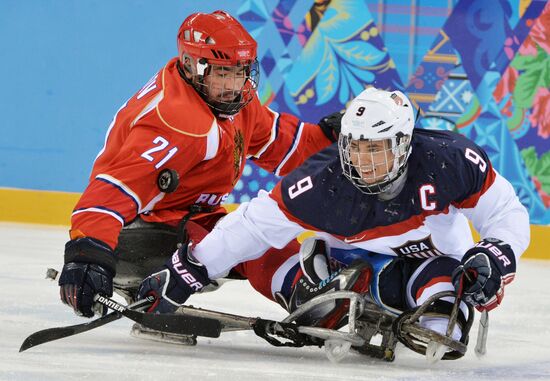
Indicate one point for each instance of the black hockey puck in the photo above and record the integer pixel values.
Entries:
(51, 274)
(168, 180)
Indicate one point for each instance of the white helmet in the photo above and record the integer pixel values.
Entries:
(375, 139)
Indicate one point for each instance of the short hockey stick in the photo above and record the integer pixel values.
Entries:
(482, 333)
(57, 333)
(173, 323)
(483, 329)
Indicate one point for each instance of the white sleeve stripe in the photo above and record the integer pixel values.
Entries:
(154, 201)
(150, 106)
(292, 150)
(123, 187)
(212, 141)
(274, 132)
(109, 131)
(98, 210)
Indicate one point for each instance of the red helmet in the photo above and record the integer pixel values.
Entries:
(218, 58)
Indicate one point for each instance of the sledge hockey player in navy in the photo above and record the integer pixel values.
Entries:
(390, 202)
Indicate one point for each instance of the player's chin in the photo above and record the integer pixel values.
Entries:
(223, 99)
(231, 97)
(370, 180)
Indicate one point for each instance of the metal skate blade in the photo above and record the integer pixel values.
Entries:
(336, 349)
(140, 332)
(435, 351)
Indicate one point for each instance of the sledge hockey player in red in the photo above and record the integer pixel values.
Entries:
(397, 199)
(174, 152)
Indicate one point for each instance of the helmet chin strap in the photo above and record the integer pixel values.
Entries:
(181, 72)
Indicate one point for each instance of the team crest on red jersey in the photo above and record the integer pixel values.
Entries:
(423, 248)
(238, 150)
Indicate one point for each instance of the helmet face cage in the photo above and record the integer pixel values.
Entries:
(225, 88)
(373, 164)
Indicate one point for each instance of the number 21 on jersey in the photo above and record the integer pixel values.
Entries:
(161, 144)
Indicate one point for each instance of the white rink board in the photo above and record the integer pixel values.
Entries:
(518, 344)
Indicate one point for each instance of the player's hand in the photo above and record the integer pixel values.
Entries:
(331, 125)
(80, 282)
(180, 277)
(88, 271)
(483, 273)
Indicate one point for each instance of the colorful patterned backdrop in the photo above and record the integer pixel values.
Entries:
(481, 68)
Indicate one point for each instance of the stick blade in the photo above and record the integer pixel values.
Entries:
(51, 334)
(45, 336)
(182, 324)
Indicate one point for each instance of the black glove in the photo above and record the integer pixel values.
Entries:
(89, 270)
(485, 270)
(330, 125)
(180, 277)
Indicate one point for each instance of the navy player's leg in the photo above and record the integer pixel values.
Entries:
(309, 274)
(431, 277)
(389, 276)
(400, 283)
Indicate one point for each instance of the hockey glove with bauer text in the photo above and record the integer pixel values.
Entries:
(180, 277)
(484, 271)
(330, 125)
(89, 270)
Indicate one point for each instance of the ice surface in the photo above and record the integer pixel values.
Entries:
(518, 344)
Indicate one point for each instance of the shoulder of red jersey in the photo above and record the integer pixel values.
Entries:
(180, 108)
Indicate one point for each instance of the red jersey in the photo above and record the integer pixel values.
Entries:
(167, 125)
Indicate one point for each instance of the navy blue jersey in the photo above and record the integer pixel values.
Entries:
(448, 168)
